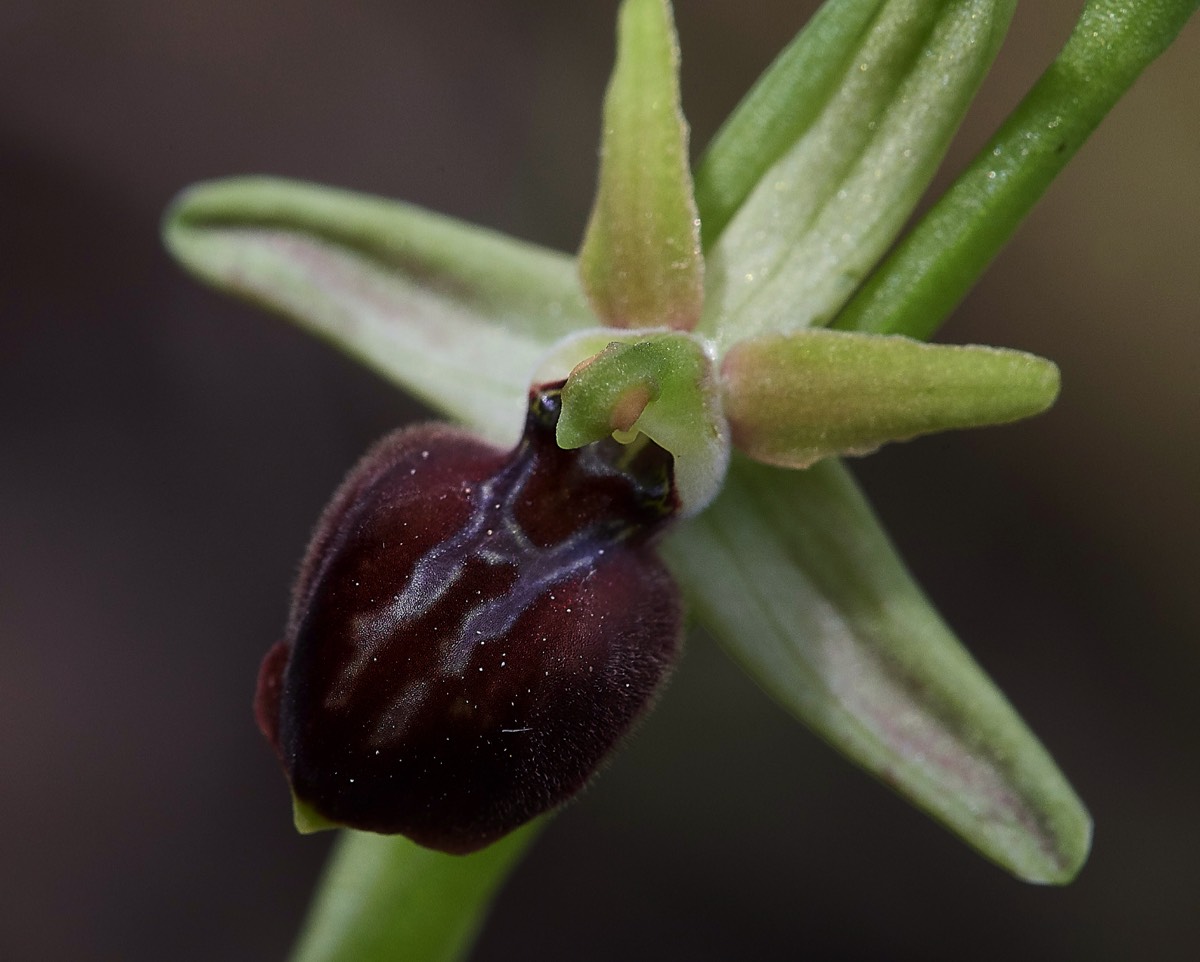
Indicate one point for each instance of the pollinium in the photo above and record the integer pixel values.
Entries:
(473, 631)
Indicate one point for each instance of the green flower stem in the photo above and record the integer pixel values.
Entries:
(931, 270)
(384, 895)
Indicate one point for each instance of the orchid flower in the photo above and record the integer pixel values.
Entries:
(758, 318)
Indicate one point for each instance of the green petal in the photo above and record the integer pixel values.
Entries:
(937, 263)
(791, 572)
(384, 897)
(821, 216)
(663, 386)
(455, 314)
(640, 262)
(793, 399)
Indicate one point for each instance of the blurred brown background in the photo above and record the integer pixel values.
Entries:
(163, 451)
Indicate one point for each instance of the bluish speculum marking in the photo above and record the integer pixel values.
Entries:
(472, 631)
(492, 537)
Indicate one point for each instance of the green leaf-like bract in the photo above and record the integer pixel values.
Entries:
(828, 207)
(934, 266)
(783, 104)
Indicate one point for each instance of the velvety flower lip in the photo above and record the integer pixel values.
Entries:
(755, 321)
(472, 632)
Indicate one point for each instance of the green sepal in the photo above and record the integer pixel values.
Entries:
(790, 571)
(640, 262)
(793, 399)
(457, 315)
(384, 897)
(827, 209)
(661, 385)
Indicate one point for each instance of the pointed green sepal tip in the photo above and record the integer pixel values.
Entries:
(662, 385)
(793, 399)
(640, 262)
(308, 820)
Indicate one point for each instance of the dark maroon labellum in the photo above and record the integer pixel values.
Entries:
(472, 630)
